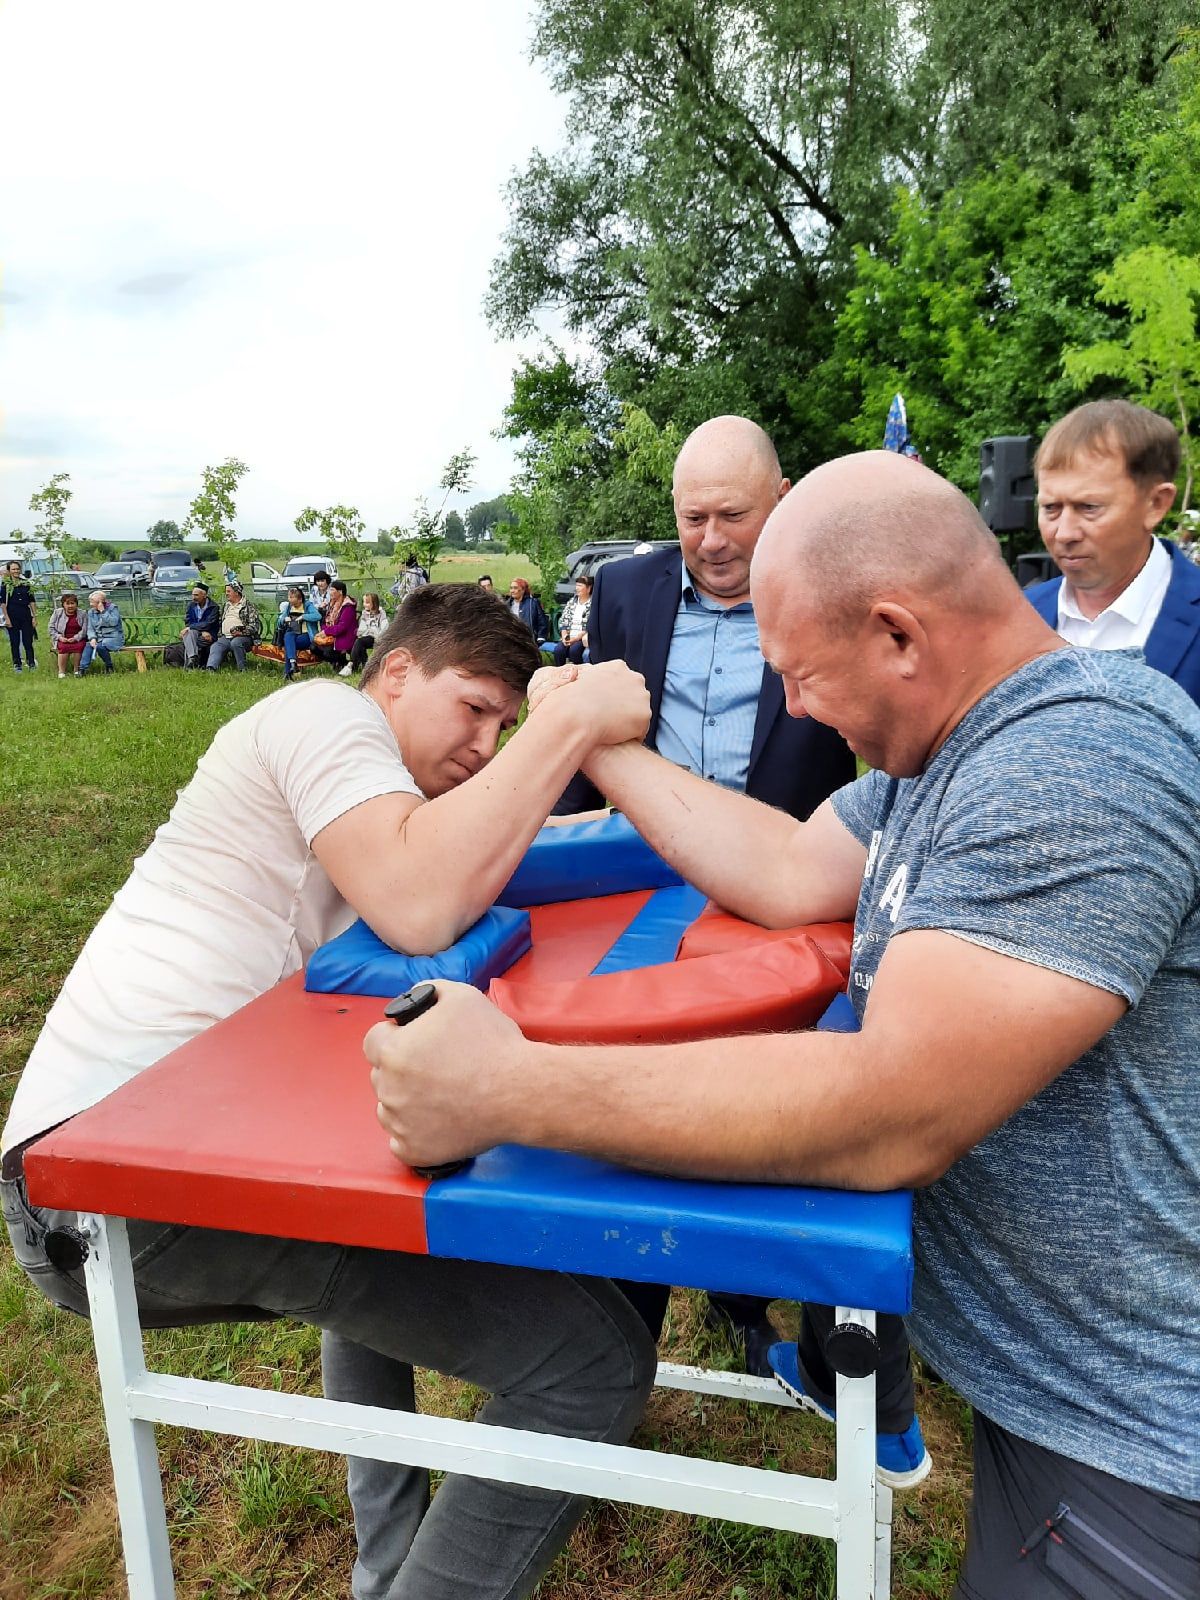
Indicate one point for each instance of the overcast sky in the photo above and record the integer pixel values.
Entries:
(258, 229)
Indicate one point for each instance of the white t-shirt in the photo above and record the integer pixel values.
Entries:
(227, 901)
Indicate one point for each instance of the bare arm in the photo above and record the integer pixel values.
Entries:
(421, 872)
(750, 858)
(957, 1037)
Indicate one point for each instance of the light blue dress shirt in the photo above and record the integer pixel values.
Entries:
(711, 688)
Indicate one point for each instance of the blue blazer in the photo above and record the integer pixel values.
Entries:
(1174, 643)
(795, 764)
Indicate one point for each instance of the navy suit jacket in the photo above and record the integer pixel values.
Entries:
(1174, 643)
(795, 763)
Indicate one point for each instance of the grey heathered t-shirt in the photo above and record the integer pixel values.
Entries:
(1058, 1262)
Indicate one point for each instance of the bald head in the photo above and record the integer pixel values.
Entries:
(881, 526)
(727, 448)
(726, 483)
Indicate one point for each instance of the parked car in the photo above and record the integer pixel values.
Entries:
(123, 575)
(589, 558)
(74, 579)
(174, 581)
(268, 583)
(144, 556)
(172, 558)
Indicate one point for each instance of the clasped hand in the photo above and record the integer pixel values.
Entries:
(447, 1085)
(610, 701)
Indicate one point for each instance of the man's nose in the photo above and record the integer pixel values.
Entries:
(793, 700)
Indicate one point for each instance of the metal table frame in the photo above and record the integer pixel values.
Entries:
(853, 1509)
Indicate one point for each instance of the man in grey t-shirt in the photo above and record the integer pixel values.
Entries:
(1024, 868)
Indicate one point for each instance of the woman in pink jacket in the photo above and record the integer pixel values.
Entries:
(339, 629)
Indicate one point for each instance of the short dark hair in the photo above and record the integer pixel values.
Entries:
(338, 585)
(1147, 443)
(588, 583)
(68, 594)
(484, 577)
(317, 576)
(458, 625)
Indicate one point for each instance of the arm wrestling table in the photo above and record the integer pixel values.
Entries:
(237, 1130)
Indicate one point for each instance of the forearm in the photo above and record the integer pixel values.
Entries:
(814, 1108)
(469, 841)
(730, 846)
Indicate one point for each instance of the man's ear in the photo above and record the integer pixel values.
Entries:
(901, 632)
(785, 488)
(396, 668)
(1159, 501)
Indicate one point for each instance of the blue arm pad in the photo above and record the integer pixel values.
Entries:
(582, 860)
(840, 1016)
(358, 961)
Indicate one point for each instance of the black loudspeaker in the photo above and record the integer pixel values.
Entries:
(1007, 500)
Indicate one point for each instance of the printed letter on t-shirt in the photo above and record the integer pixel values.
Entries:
(892, 897)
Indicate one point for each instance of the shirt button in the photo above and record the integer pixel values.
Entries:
(712, 722)
(720, 669)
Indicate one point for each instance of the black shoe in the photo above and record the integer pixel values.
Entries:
(749, 1340)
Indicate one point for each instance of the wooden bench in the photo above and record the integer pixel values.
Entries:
(140, 652)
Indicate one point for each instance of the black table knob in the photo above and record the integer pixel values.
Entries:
(66, 1249)
(852, 1350)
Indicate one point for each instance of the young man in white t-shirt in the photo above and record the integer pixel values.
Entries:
(321, 803)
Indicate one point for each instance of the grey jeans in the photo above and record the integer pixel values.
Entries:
(224, 645)
(557, 1353)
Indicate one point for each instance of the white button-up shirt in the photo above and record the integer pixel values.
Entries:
(1126, 623)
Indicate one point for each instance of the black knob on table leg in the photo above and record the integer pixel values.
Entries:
(852, 1350)
(66, 1249)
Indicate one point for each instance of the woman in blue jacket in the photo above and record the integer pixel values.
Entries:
(526, 605)
(105, 631)
(299, 624)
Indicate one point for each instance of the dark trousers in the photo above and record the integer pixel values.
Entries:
(1086, 1535)
(895, 1399)
(360, 650)
(569, 652)
(20, 633)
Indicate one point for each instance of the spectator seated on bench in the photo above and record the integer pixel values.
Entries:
(240, 629)
(67, 633)
(572, 626)
(298, 626)
(201, 623)
(104, 630)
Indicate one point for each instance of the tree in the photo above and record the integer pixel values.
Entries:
(1158, 360)
(485, 515)
(590, 468)
(49, 505)
(343, 531)
(425, 538)
(731, 165)
(211, 514)
(454, 531)
(385, 541)
(162, 535)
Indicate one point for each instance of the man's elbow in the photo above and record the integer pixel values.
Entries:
(417, 933)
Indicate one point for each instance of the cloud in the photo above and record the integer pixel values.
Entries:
(297, 283)
(156, 283)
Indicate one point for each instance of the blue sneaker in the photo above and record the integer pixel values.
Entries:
(901, 1459)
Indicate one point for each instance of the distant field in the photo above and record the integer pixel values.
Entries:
(89, 771)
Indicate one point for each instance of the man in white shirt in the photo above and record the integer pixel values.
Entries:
(283, 836)
(1106, 479)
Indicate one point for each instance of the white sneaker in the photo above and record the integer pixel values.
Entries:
(346, 671)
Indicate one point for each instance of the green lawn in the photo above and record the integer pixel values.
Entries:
(89, 770)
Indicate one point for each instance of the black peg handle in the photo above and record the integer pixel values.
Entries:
(406, 1008)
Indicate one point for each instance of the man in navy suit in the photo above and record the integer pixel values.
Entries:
(1106, 479)
(683, 619)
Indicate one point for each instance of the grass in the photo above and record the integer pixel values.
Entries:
(89, 771)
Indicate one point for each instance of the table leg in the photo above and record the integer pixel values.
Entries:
(856, 1485)
(883, 1542)
(121, 1364)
